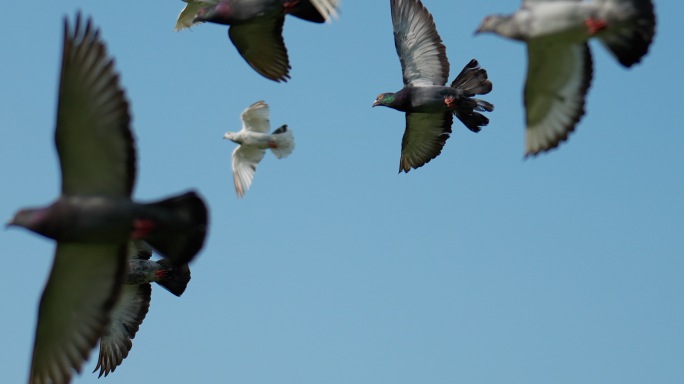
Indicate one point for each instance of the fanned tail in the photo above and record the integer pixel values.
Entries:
(178, 226)
(629, 44)
(470, 82)
(284, 142)
(174, 278)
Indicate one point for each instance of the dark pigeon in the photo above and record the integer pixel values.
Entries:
(429, 104)
(560, 66)
(134, 302)
(256, 27)
(94, 217)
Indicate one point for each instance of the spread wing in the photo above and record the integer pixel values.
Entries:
(93, 138)
(245, 161)
(420, 49)
(127, 315)
(558, 78)
(83, 286)
(260, 42)
(186, 18)
(424, 138)
(256, 118)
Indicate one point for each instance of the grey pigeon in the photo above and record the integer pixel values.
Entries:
(256, 27)
(429, 104)
(134, 302)
(560, 66)
(94, 217)
(254, 139)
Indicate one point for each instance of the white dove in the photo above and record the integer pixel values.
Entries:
(254, 139)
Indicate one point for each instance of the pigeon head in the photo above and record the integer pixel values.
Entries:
(33, 219)
(494, 24)
(232, 136)
(384, 99)
(219, 13)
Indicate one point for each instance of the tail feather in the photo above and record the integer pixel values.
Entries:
(470, 82)
(630, 43)
(174, 278)
(179, 227)
(284, 142)
(317, 11)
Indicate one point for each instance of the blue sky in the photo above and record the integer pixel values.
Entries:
(480, 267)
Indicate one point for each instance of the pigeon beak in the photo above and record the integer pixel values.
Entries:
(375, 104)
(225, 136)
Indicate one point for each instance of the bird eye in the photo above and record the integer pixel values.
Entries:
(380, 97)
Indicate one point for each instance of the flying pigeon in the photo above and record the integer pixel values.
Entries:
(94, 217)
(134, 302)
(254, 139)
(427, 101)
(256, 27)
(560, 66)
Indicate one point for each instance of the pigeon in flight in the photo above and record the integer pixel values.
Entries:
(256, 27)
(94, 217)
(559, 69)
(134, 302)
(429, 104)
(254, 139)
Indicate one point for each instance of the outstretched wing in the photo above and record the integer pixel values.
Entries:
(558, 78)
(260, 42)
(420, 49)
(255, 118)
(127, 315)
(424, 138)
(245, 161)
(83, 286)
(93, 137)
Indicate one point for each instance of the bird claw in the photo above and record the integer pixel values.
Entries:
(142, 228)
(595, 26)
(450, 101)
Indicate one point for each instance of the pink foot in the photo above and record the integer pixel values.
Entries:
(272, 145)
(595, 26)
(142, 228)
(288, 5)
(450, 101)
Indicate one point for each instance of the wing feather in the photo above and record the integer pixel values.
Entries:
(260, 42)
(245, 161)
(256, 118)
(424, 138)
(558, 79)
(83, 286)
(420, 49)
(93, 137)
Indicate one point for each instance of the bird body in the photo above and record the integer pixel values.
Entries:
(425, 98)
(256, 27)
(254, 140)
(94, 218)
(560, 65)
(134, 302)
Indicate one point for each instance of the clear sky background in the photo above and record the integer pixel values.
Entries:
(479, 267)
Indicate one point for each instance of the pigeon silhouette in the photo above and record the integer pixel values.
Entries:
(254, 139)
(429, 104)
(134, 302)
(94, 217)
(560, 67)
(256, 27)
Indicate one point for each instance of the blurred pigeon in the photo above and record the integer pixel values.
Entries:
(559, 68)
(256, 27)
(94, 218)
(427, 101)
(254, 139)
(134, 302)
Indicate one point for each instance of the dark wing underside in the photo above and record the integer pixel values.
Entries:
(127, 315)
(425, 135)
(83, 286)
(93, 137)
(260, 42)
